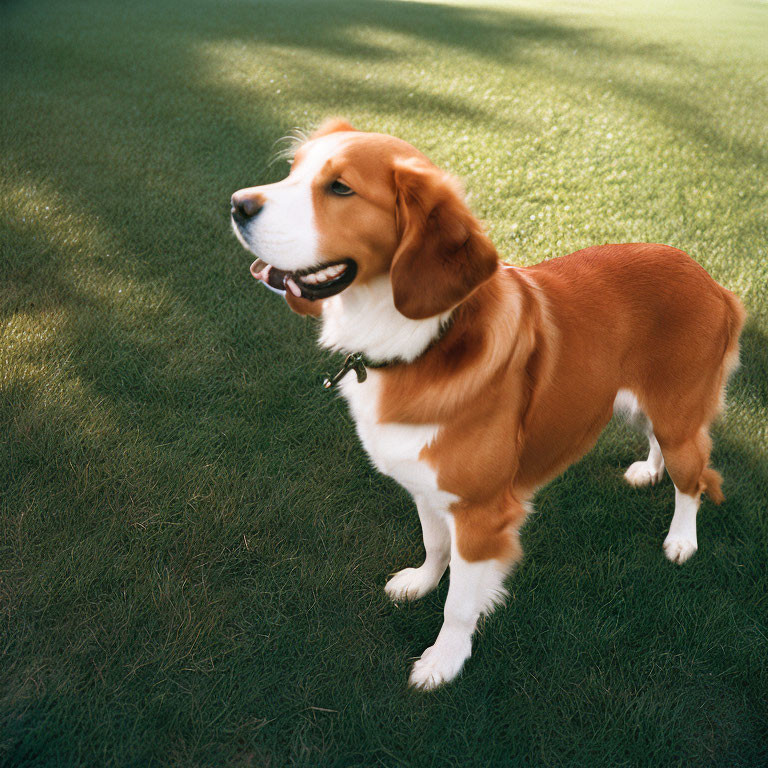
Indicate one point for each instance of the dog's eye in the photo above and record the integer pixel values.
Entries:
(340, 188)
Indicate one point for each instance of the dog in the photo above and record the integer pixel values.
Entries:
(475, 382)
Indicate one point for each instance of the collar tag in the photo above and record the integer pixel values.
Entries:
(353, 362)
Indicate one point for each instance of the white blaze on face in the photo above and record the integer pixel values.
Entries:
(284, 232)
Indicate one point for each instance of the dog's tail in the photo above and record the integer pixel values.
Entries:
(710, 483)
(736, 315)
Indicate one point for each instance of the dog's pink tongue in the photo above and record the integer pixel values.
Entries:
(260, 270)
(272, 277)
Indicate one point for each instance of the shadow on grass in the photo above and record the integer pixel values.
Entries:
(751, 378)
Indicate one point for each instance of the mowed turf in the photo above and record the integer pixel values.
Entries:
(192, 543)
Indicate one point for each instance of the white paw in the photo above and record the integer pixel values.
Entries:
(643, 473)
(679, 550)
(411, 584)
(439, 664)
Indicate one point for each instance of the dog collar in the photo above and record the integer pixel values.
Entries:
(359, 363)
(355, 362)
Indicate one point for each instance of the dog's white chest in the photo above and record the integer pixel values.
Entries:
(394, 448)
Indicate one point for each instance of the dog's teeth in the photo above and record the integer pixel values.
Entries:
(294, 289)
(324, 275)
(332, 272)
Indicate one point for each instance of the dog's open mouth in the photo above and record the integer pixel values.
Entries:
(318, 283)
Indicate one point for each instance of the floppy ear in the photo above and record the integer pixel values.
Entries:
(331, 125)
(443, 255)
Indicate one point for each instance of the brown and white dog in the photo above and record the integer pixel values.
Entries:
(496, 378)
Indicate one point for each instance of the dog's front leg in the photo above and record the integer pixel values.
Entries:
(484, 547)
(413, 583)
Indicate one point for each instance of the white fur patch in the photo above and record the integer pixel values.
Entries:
(363, 318)
(392, 447)
(650, 471)
(681, 541)
(626, 404)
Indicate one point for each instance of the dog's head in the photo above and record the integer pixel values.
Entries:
(356, 206)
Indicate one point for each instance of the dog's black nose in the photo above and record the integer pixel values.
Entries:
(245, 205)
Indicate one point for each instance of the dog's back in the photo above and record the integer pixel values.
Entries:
(642, 319)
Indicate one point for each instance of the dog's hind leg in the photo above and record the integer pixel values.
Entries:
(687, 466)
(650, 471)
(413, 583)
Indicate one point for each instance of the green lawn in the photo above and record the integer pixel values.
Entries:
(192, 543)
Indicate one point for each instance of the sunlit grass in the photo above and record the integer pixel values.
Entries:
(193, 543)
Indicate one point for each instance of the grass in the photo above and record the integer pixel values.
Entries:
(192, 543)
